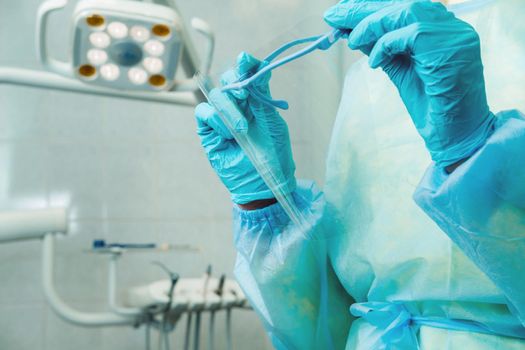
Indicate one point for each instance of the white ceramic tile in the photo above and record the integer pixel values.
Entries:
(22, 327)
(23, 180)
(61, 335)
(81, 234)
(80, 276)
(20, 15)
(125, 338)
(128, 121)
(73, 117)
(20, 273)
(248, 331)
(129, 181)
(176, 123)
(19, 109)
(188, 187)
(75, 177)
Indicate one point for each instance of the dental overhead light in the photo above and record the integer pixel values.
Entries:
(122, 44)
(134, 46)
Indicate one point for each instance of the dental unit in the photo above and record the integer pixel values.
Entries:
(158, 305)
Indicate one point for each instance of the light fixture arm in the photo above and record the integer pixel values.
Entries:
(66, 312)
(51, 81)
(203, 28)
(50, 63)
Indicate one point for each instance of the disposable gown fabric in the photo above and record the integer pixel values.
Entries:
(481, 207)
(385, 252)
(287, 277)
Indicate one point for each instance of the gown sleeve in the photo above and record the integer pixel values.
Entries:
(481, 207)
(287, 277)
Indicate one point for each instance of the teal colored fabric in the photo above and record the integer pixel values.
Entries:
(371, 248)
(399, 326)
(281, 268)
(226, 157)
(434, 60)
(287, 277)
(481, 207)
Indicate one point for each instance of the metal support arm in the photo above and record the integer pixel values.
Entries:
(46, 80)
(89, 319)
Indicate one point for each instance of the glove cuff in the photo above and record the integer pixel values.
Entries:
(468, 146)
(286, 188)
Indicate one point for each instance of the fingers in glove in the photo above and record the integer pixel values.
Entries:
(451, 39)
(246, 65)
(394, 17)
(397, 42)
(209, 123)
(347, 14)
(230, 110)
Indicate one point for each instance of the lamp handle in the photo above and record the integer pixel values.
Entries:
(51, 64)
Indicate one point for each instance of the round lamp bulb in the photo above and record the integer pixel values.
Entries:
(97, 57)
(118, 30)
(137, 76)
(154, 48)
(110, 71)
(99, 39)
(153, 65)
(139, 33)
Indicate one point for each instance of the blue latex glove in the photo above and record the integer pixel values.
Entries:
(225, 155)
(434, 60)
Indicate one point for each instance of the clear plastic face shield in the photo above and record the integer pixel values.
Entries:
(305, 88)
(307, 73)
(308, 68)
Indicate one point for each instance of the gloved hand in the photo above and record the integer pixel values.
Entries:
(225, 155)
(434, 60)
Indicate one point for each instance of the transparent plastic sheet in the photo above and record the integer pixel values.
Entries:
(287, 274)
(321, 67)
(260, 152)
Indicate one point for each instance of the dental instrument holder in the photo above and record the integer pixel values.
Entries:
(320, 42)
(115, 251)
(100, 246)
(45, 225)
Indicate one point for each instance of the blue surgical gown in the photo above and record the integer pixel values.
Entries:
(425, 259)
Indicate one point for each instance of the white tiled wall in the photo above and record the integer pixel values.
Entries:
(134, 171)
